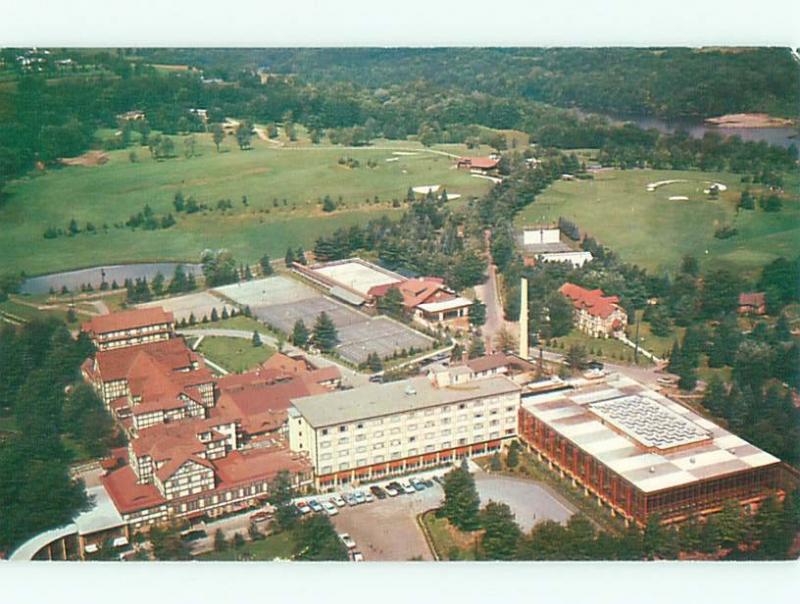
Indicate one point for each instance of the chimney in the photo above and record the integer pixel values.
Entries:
(523, 318)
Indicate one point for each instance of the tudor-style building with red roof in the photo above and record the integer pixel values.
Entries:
(130, 328)
(197, 444)
(596, 314)
(428, 300)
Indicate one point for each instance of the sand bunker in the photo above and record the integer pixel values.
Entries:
(720, 188)
(654, 185)
(679, 198)
(424, 190)
(404, 153)
(392, 159)
(90, 158)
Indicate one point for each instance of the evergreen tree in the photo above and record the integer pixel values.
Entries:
(477, 314)
(502, 535)
(315, 538)
(476, 348)
(266, 266)
(256, 339)
(512, 457)
(391, 303)
(325, 335)
(461, 501)
(300, 334)
(289, 258)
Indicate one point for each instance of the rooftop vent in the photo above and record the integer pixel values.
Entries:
(652, 469)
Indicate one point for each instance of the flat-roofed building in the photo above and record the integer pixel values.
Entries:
(381, 429)
(642, 454)
(130, 328)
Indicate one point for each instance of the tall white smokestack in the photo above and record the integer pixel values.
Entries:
(523, 318)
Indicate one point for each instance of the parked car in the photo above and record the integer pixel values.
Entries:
(314, 505)
(390, 491)
(378, 492)
(194, 535)
(347, 540)
(428, 482)
(397, 487)
(302, 506)
(376, 379)
(407, 488)
(338, 501)
(358, 557)
(417, 484)
(260, 517)
(349, 499)
(329, 508)
(359, 497)
(368, 497)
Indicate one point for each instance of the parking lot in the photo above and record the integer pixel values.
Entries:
(387, 529)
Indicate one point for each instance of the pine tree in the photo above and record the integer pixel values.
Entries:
(256, 339)
(289, 259)
(325, 334)
(300, 334)
(461, 503)
(501, 535)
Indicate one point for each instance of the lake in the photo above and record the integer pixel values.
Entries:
(116, 272)
(782, 137)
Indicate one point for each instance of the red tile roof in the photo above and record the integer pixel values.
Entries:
(754, 299)
(129, 496)
(116, 364)
(592, 301)
(172, 466)
(482, 163)
(242, 467)
(415, 291)
(128, 319)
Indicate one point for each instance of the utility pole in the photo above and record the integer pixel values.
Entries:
(636, 349)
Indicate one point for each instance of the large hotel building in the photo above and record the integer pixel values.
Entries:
(641, 453)
(353, 436)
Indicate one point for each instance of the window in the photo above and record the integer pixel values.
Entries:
(412, 439)
(377, 446)
(378, 434)
(344, 441)
(477, 404)
(429, 435)
(344, 466)
(396, 455)
(494, 435)
(494, 422)
(361, 437)
(378, 459)
(411, 427)
(342, 428)
(324, 444)
(462, 441)
(394, 431)
(324, 432)
(461, 429)
(446, 444)
(360, 426)
(395, 442)
(509, 409)
(395, 419)
(361, 450)
(361, 462)
(510, 431)
(511, 420)
(445, 432)
(462, 406)
(412, 451)
(445, 421)
(428, 425)
(446, 409)
(344, 453)
(462, 417)
(477, 426)
(325, 456)
(493, 412)
(429, 448)
(378, 422)
(478, 415)
(477, 438)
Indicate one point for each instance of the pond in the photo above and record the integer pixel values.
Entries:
(782, 137)
(95, 275)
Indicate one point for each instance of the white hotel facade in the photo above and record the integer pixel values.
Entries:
(355, 436)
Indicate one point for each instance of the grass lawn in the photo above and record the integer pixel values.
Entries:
(234, 354)
(648, 229)
(15, 309)
(301, 174)
(8, 424)
(658, 345)
(279, 545)
(609, 349)
(445, 537)
(238, 322)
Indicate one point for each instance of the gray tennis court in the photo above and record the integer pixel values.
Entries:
(267, 291)
(359, 334)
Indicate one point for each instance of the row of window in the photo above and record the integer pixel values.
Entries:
(379, 458)
(426, 413)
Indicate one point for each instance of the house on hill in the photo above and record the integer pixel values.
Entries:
(753, 303)
(596, 314)
(481, 165)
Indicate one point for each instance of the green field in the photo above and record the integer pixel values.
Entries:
(301, 174)
(280, 545)
(648, 229)
(234, 354)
